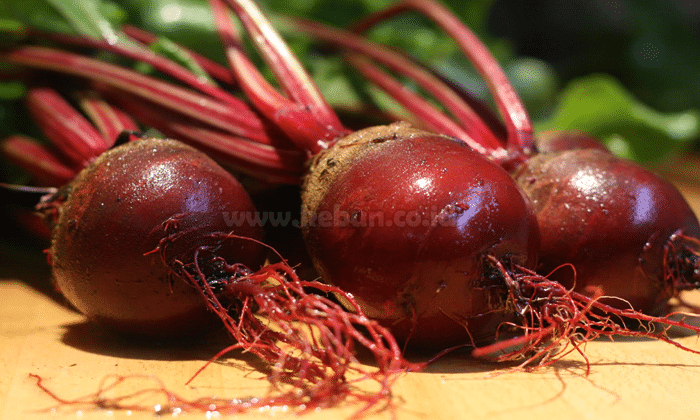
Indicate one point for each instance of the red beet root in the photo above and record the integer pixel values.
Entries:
(113, 215)
(410, 218)
(623, 228)
(427, 283)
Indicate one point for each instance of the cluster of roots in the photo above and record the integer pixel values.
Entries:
(553, 321)
(309, 343)
(681, 264)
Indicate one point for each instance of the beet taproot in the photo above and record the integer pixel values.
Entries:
(404, 220)
(110, 218)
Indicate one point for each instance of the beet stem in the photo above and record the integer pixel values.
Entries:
(428, 114)
(240, 120)
(46, 167)
(282, 61)
(443, 93)
(278, 164)
(306, 123)
(110, 121)
(214, 69)
(68, 130)
(509, 104)
(138, 52)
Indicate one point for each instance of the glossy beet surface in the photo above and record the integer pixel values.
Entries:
(403, 220)
(114, 214)
(608, 217)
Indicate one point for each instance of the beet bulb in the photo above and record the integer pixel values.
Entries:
(625, 230)
(110, 218)
(404, 221)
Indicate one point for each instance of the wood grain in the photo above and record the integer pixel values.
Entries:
(40, 335)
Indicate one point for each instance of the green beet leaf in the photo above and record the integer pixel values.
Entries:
(598, 104)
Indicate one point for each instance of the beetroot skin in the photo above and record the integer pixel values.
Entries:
(403, 220)
(117, 211)
(614, 221)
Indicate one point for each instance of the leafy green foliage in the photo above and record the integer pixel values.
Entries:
(600, 105)
(92, 18)
(185, 22)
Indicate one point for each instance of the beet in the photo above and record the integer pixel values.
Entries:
(117, 210)
(403, 220)
(615, 222)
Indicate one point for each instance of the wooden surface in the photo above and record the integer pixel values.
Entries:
(629, 379)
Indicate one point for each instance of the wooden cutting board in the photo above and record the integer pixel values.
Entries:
(39, 335)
